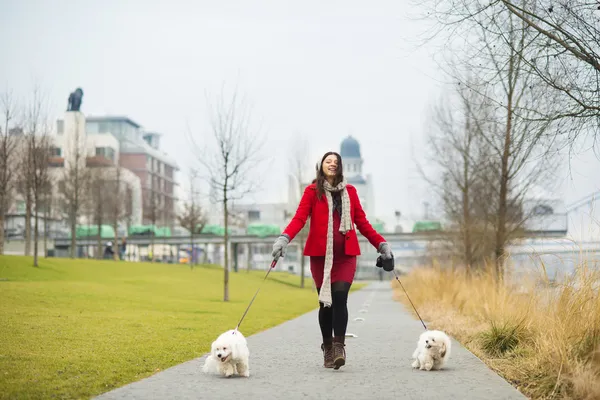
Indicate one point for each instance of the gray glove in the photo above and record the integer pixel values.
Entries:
(385, 251)
(280, 246)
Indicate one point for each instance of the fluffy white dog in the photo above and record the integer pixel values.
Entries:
(229, 355)
(433, 350)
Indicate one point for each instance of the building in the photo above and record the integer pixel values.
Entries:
(96, 156)
(352, 162)
(101, 152)
(139, 152)
(353, 171)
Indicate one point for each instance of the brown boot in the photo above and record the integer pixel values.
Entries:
(327, 349)
(339, 352)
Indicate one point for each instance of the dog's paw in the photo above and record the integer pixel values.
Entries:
(415, 364)
(246, 374)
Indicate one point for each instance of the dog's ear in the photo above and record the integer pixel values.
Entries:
(443, 350)
(213, 347)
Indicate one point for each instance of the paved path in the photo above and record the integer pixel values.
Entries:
(286, 362)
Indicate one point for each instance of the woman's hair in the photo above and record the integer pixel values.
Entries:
(320, 180)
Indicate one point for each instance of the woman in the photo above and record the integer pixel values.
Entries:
(332, 244)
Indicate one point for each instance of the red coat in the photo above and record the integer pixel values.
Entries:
(318, 211)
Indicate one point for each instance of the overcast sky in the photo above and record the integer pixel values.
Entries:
(322, 69)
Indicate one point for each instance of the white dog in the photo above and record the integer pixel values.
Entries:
(229, 355)
(433, 350)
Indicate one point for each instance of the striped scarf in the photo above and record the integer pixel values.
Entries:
(345, 226)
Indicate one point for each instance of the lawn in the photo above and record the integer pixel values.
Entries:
(78, 328)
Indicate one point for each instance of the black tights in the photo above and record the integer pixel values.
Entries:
(335, 318)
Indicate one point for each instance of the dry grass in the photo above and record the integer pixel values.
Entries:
(544, 339)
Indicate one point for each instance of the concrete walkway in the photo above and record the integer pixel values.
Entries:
(286, 362)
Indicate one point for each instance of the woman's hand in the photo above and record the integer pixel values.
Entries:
(280, 247)
(385, 251)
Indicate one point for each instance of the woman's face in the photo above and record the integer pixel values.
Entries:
(330, 166)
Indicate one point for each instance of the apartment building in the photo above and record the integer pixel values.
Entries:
(140, 153)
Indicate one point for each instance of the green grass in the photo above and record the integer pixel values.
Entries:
(78, 328)
(500, 339)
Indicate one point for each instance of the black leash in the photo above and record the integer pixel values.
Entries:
(411, 303)
(388, 265)
(273, 263)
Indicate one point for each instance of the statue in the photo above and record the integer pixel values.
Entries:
(75, 100)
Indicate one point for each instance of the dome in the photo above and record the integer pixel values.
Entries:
(350, 148)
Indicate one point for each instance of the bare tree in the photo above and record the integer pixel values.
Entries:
(7, 158)
(518, 142)
(33, 170)
(48, 201)
(299, 167)
(32, 164)
(462, 174)
(117, 205)
(41, 181)
(231, 159)
(152, 211)
(75, 178)
(98, 198)
(24, 174)
(192, 217)
(562, 52)
(568, 59)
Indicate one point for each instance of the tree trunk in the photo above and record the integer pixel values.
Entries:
(46, 215)
(117, 215)
(191, 248)
(99, 242)
(468, 249)
(2, 208)
(152, 244)
(35, 234)
(502, 206)
(226, 249)
(28, 207)
(117, 252)
(74, 207)
(248, 256)
(73, 220)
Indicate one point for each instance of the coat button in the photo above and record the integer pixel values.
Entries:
(347, 237)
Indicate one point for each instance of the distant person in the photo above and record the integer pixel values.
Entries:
(123, 249)
(108, 251)
(333, 207)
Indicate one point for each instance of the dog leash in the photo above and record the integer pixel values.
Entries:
(273, 263)
(388, 265)
(408, 297)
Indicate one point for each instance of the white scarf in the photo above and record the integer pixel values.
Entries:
(345, 226)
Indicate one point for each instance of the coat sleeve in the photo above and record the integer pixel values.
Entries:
(363, 224)
(302, 213)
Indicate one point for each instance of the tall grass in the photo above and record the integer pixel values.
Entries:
(544, 338)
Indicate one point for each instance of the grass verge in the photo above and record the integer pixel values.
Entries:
(544, 339)
(78, 328)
